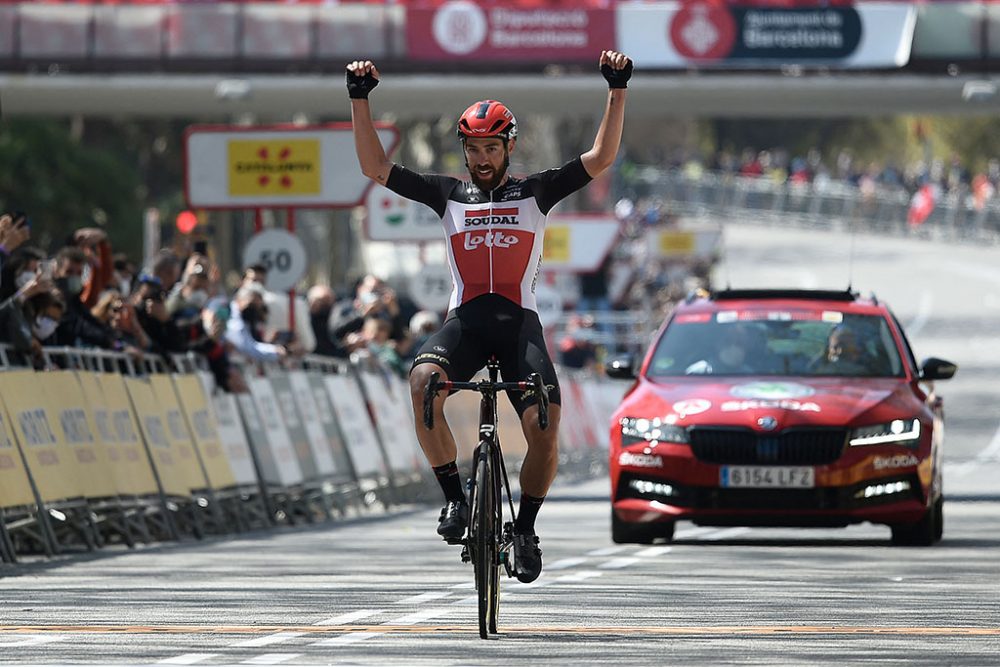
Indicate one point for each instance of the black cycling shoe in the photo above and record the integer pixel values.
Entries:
(527, 557)
(453, 521)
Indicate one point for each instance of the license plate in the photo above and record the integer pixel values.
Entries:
(767, 477)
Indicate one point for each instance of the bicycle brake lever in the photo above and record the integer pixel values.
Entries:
(543, 400)
(430, 393)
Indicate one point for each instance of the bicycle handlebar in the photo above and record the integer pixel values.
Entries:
(533, 383)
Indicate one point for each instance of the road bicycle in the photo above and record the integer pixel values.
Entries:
(489, 540)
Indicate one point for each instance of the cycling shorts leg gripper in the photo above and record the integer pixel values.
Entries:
(529, 355)
(454, 349)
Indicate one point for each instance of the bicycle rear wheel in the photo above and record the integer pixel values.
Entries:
(485, 541)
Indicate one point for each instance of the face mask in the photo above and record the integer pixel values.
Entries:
(87, 272)
(74, 285)
(44, 327)
(125, 286)
(24, 278)
(198, 298)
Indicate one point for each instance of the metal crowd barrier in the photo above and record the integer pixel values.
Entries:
(956, 215)
(100, 450)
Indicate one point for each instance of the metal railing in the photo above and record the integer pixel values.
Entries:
(955, 217)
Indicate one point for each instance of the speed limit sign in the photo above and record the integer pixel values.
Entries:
(281, 253)
(430, 288)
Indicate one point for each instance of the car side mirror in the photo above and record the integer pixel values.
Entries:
(937, 369)
(621, 368)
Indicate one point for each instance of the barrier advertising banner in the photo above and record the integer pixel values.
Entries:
(715, 34)
(14, 486)
(33, 421)
(126, 431)
(467, 31)
(75, 428)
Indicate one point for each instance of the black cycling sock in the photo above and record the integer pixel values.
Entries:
(451, 484)
(526, 513)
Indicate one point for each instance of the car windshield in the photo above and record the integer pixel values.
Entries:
(768, 342)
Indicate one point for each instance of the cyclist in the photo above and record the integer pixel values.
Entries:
(494, 224)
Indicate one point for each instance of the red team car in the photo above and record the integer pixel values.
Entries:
(779, 408)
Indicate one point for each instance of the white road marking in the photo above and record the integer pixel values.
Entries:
(271, 659)
(618, 563)
(28, 640)
(187, 659)
(580, 576)
(267, 640)
(992, 451)
(692, 532)
(607, 551)
(349, 638)
(726, 534)
(424, 597)
(465, 584)
(565, 563)
(350, 617)
(419, 617)
(652, 552)
(472, 599)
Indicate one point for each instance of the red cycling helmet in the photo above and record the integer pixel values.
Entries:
(487, 119)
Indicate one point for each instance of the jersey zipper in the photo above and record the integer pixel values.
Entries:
(488, 232)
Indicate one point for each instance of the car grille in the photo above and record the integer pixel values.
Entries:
(746, 447)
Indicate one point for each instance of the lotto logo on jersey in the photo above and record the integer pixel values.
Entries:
(485, 217)
(489, 239)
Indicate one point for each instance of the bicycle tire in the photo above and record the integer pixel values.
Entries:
(486, 565)
(497, 538)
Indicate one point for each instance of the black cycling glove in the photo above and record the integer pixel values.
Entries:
(358, 87)
(617, 78)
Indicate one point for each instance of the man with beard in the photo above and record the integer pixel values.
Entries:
(494, 225)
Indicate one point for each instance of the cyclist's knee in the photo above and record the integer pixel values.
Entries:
(420, 375)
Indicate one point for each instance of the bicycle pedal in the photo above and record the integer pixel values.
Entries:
(455, 541)
(466, 557)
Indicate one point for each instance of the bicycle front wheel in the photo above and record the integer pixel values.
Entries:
(486, 565)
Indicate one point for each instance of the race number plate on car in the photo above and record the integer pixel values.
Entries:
(767, 477)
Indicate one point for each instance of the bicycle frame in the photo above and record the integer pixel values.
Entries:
(489, 540)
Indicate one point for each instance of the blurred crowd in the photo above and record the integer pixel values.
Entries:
(86, 296)
(780, 165)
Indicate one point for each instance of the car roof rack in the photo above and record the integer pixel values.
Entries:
(814, 294)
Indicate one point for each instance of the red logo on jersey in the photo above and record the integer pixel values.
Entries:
(490, 239)
(496, 216)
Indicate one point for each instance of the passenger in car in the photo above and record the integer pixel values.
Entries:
(844, 355)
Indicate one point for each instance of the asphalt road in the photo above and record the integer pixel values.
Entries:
(385, 590)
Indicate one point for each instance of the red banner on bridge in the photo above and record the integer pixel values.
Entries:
(471, 32)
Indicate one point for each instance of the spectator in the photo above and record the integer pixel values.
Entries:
(577, 348)
(12, 234)
(167, 269)
(422, 325)
(247, 312)
(44, 311)
(373, 298)
(119, 317)
(375, 339)
(277, 313)
(191, 294)
(77, 326)
(98, 270)
(21, 268)
(151, 314)
(321, 299)
(124, 273)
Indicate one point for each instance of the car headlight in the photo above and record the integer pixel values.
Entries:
(638, 430)
(896, 432)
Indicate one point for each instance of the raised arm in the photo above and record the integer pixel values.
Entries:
(616, 68)
(362, 76)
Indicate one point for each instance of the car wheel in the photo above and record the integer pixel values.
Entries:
(623, 532)
(923, 533)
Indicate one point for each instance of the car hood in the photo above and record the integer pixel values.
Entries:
(772, 404)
